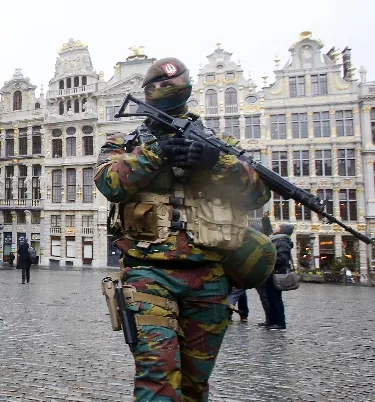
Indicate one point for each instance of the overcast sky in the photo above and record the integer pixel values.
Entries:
(31, 32)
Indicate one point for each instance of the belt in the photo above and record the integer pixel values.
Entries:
(164, 264)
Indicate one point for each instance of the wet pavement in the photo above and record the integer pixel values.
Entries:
(57, 345)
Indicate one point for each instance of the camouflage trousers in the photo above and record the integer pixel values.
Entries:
(172, 367)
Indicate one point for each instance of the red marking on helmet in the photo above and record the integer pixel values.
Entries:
(170, 69)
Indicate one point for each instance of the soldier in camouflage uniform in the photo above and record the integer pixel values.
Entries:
(183, 206)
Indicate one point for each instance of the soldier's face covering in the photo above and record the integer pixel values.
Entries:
(168, 94)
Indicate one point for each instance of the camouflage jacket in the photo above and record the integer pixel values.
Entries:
(120, 174)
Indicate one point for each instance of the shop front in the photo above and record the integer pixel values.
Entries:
(326, 252)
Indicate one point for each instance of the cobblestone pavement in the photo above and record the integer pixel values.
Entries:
(57, 345)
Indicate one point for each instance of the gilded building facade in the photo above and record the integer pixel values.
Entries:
(314, 125)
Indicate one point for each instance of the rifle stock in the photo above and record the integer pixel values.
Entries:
(192, 130)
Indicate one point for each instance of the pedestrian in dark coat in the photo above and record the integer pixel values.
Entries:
(281, 239)
(11, 259)
(24, 260)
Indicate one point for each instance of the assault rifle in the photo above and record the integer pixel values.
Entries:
(190, 129)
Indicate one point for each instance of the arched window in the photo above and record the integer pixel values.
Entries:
(61, 84)
(69, 83)
(37, 105)
(61, 108)
(84, 100)
(17, 100)
(76, 106)
(68, 105)
(84, 80)
(231, 106)
(211, 102)
(76, 81)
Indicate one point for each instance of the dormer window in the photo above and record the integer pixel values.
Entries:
(17, 100)
(37, 105)
(229, 76)
(210, 78)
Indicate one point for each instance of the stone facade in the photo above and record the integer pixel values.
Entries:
(314, 125)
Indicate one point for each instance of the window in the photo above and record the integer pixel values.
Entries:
(9, 174)
(70, 247)
(88, 145)
(71, 185)
(301, 163)
(36, 140)
(7, 217)
(252, 127)
(88, 181)
(76, 81)
(210, 78)
(9, 147)
(299, 125)
(346, 162)
(55, 247)
(22, 145)
(37, 105)
(280, 163)
(71, 146)
(278, 130)
(84, 101)
(280, 207)
(110, 113)
(35, 217)
(61, 84)
(56, 221)
(232, 126)
(84, 80)
(35, 183)
(56, 132)
(348, 205)
(61, 108)
(302, 213)
(211, 102)
(231, 106)
(372, 119)
(87, 129)
(22, 174)
(69, 106)
(326, 195)
(87, 221)
(319, 84)
(254, 154)
(56, 185)
(17, 100)
(69, 83)
(213, 123)
(229, 76)
(344, 123)
(297, 86)
(323, 162)
(56, 148)
(321, 124)
(76, 106)
(21, 217)
(70, 221)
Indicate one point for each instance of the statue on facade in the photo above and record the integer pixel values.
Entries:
(14, 187)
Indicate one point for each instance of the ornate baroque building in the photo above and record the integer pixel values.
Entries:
(314, 125)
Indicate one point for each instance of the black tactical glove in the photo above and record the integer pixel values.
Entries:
(185, 153)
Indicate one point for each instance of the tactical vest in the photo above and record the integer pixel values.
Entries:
(208, 220)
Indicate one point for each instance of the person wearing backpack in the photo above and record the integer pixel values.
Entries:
(24, 260)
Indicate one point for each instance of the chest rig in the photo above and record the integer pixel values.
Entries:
(179, 200)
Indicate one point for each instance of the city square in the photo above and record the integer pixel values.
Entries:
(57, 345)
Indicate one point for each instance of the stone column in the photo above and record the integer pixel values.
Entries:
(2, 142)
(14, 233)
(78, 262)
(15, 184)
(288, 125)
(63, 241)
(44, 230)
(266, 129)
(16, 148)
(356, 123)
(29, 140)
(332, 122)
(335, 165)
(338, 245)
(28, 225)
(312, 160)
(310, 125)
(2, 184)
(28, 182)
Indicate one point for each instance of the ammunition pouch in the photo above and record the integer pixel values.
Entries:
(154, 217)
(132, 296)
